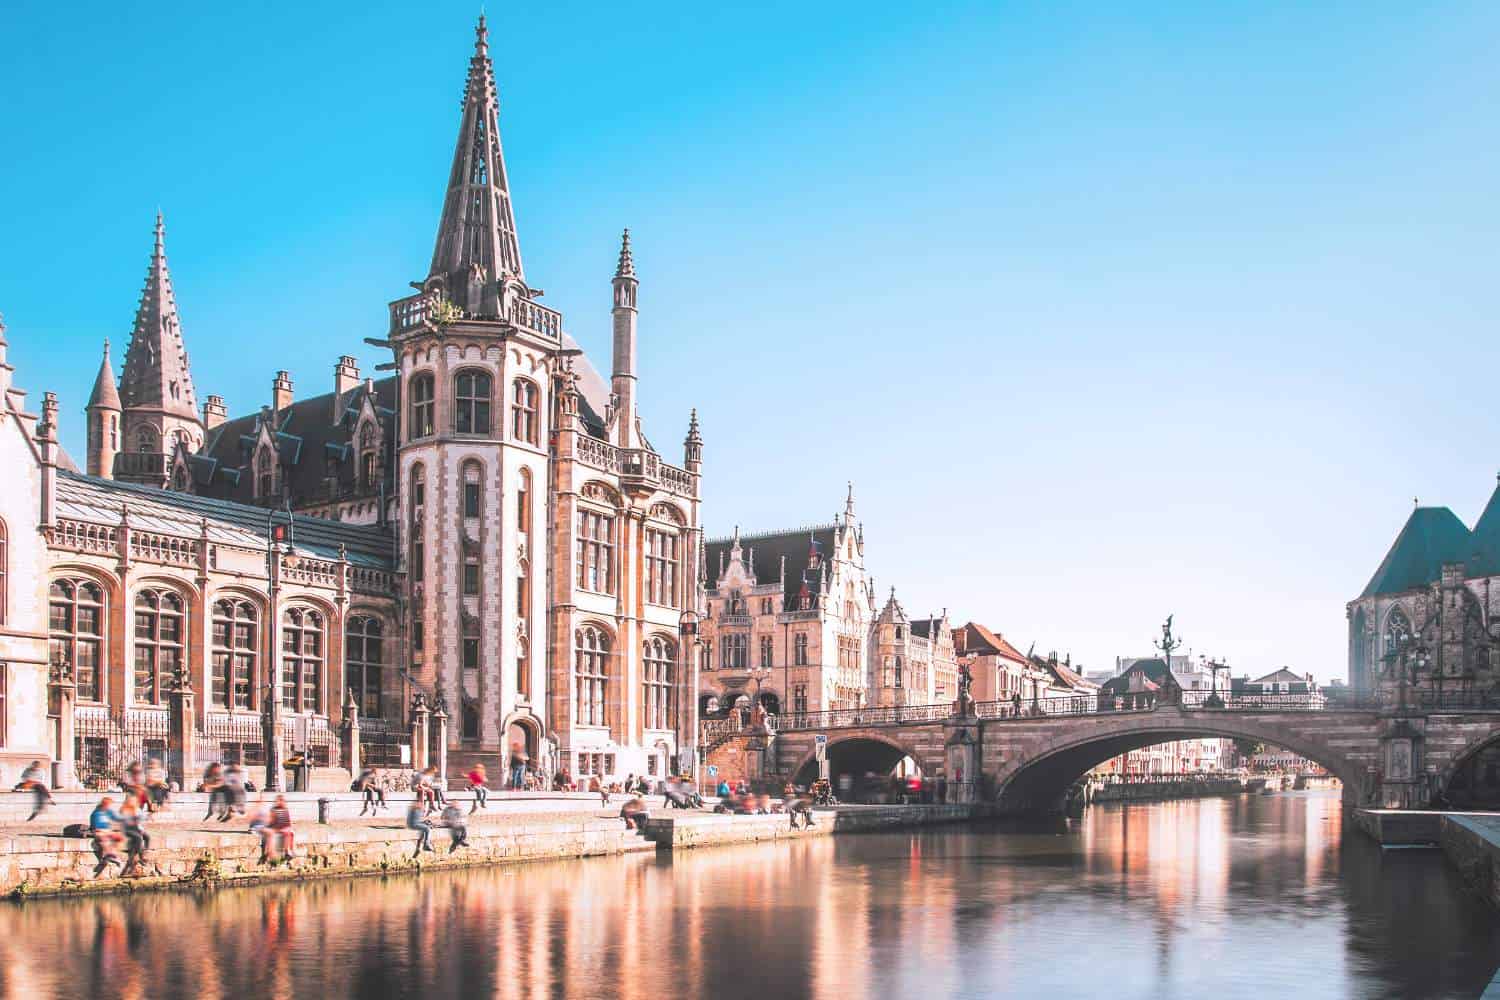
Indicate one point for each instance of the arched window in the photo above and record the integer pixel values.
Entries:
(523, 411)
(302, 660)
(765, 651)
(523, 668)
(4, 570)
(265, 480)
(596, 551)
(471, 400)
(368, 448)
(523, 503)
(799, 649)
(364, 659)
(732, 652)
(1398, 633)
(473, 490)
(590, 675)
(75, 628)
(422, 406)
(145, 439)
(158, 643)
(417, 560)
(663, 558)
(658, 704)
(234, 646)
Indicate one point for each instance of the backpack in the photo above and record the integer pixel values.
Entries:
(76, 831)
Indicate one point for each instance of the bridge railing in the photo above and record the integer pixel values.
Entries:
(842, 718)
(1434, 700)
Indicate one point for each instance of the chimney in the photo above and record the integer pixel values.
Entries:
(281, 392)
(345, 381)
(214, 412)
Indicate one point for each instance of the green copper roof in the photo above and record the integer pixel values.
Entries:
(1485, 559)
(1431, 537)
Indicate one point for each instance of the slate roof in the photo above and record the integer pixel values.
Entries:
(306, 437)
(1154, 671)
(797, 546)
(1431, 537)
(90, 498)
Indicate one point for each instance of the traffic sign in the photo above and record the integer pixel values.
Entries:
(713, 770)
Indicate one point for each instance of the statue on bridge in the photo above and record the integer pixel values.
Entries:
(965, 703)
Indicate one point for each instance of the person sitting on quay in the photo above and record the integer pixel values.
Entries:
(104, 828)
(34, 780)
(133, 785)
(723, 790)
(368, 783)
(417, 820)
(233, 795)
(213, 784)
(633, 812)
(158, 791)
(137, 841)
(458, 826)
(437, 785)
(800, 805)
(479, 785)
(280, 828)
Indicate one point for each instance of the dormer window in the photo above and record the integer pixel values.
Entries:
(265, 479)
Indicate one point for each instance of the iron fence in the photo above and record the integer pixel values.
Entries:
(106, 743)
(381, 743)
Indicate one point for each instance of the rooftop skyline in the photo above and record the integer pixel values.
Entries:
(1106, 316)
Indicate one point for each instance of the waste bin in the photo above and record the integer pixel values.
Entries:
(325, 809)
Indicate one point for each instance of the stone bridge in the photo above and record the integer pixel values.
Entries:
(1396, 757)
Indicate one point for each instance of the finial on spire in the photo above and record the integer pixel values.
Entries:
(849, 503)
(481, 34)
(161, 234)
(626, 267)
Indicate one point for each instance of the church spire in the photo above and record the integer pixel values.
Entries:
(476, 241)
(105, 396)
(157, 376)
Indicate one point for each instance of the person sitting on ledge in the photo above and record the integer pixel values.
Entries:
(801, 805)
(633, 812)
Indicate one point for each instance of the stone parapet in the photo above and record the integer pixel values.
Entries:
(682, 831)
(1472, 843)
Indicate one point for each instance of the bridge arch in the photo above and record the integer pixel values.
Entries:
(1037, 776)
(858, 753)
(1471, 779)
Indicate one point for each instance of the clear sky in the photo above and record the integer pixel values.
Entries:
(1108, 310)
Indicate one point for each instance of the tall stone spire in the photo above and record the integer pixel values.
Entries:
(476, 240)
(105, 395)
(156, 376)
(622, 381)
(103, 414)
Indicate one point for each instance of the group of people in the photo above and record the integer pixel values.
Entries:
(452, 817)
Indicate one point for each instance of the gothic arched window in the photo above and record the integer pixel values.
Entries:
(234, 647)
(523, 410)
(367, 454)
(590, 675)
(75, 628)
(159, 631)
(422, 406)
(1398, 633)
(658, 657)
(364, 660)
(471, 402)
(799, 649)
(302, 660)
(416, 568)
(145, 440)
(265, 479)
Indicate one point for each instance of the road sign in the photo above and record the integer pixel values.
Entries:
(820, 747)
(713, 770)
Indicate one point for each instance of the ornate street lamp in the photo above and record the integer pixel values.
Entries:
(688, 632)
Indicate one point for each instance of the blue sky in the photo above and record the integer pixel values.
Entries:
(1109, 310)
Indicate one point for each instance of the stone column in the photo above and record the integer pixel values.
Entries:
(961, 758)
(419, 744)
(440, 722)
(64, 694)
(181, 763)
(349, 735)
(1404, 781)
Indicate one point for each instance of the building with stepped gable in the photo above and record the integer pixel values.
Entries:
(484, 537)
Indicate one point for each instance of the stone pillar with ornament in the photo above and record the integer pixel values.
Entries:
(440, 727)
(961, 736)
(63, 696)
(181, 763)
(419, 738)
(349, 734)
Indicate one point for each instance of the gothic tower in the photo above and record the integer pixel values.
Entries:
(625, 431)
(474, 352)
(103, 421)
(158, 406)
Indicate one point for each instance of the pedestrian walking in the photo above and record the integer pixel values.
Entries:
(234, 793)
(137, 841)
(34, 780)
(416, 820)
(518, 762)
(104, 825)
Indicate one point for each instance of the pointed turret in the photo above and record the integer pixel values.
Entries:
(103, 421)
(692, 445)
(156, 391)
(622, 378)
(476, 245)
(157, 376)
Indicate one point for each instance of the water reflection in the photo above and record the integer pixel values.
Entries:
(1232, 897)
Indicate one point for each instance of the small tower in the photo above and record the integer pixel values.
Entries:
(692, 446)
(622, 377)
(103, 421)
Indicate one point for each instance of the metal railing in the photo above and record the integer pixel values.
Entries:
(109, 742)
(848, 717)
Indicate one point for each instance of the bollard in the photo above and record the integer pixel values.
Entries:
(325, 806)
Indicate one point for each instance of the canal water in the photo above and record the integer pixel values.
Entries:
(1255, 896)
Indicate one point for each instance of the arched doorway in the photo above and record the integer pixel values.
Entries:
(522, 739)
(771, 702)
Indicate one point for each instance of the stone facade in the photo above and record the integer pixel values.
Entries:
(485, 530)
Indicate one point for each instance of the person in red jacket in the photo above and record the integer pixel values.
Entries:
(478, 784)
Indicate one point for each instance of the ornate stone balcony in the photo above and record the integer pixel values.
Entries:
(415, 312)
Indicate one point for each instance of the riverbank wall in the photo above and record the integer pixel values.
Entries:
(207, 857)
(1162, 791)
(1472, 844)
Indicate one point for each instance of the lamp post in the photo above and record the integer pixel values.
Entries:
(276, 558)
(1409, 656)
(687, 631)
